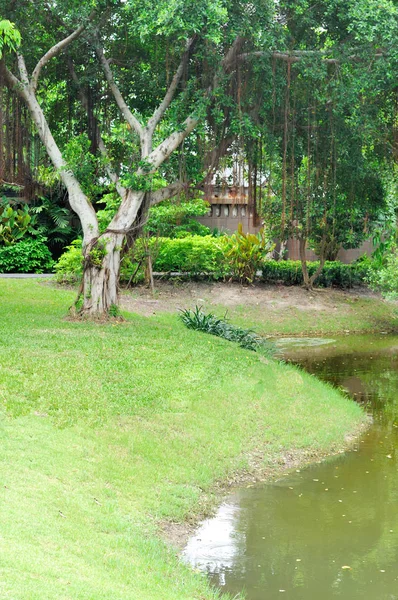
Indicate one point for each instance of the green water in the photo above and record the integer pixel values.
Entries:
(331, 530)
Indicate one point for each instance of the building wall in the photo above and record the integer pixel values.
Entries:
(226, 218)
(345, 256)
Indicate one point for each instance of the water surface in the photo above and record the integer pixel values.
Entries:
(331, 530)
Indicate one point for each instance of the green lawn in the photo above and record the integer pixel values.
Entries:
(340, 312)
(108, 430)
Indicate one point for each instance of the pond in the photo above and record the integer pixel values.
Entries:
(330, 530)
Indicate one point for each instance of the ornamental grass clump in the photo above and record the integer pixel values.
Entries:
(210, 323)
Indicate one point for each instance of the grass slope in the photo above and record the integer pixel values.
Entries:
(340, 312)
(273, 310)
(105, 430)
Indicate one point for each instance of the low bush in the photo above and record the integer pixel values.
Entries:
(216, 258)
(334, 273)
(245, 253)
(209, 323)
(69, 267)
(27, 256)
(384, 277)
(195, 255)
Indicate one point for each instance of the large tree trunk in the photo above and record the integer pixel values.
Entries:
(100, 290)
(100, 286)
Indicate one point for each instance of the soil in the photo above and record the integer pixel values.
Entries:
(170, 297)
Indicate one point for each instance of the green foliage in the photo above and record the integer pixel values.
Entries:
(195, 255)
(111, 202)
(174, 218)
(69, 267)
(206, 256)
(97, 253)
(334, 273)
(384, 278)
(178, 19)
(83, 163)
(209, 323)
(10, 38)
(245, 253)
(27, 256)
(54, 221)
(15, 223)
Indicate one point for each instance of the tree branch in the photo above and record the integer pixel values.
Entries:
(22, 69)
(124, 109)
(167, 147)
(11, 79)
(297, 55)
(230, 57)
(166, 193)
(159, 112)
(56, 49)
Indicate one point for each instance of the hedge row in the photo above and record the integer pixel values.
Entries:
(198, 256)
(205, 256)
(195, 255)
(334, 273)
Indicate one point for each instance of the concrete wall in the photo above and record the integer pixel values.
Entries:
(345, 256)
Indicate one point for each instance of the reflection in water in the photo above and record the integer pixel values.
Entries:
(217, 544)
(331, 530)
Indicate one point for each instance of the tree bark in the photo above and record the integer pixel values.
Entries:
(303, 259)
(322, 258)
(100, 291)
(308, 282)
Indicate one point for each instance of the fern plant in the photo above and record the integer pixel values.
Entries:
(55, 222)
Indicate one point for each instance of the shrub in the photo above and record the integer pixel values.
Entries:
(27, 256)
(210, 257)
(245, 253)
(195, 255)
(385, 278)
(209, 323)
(334, 273)
(15, 223)
(69, 267)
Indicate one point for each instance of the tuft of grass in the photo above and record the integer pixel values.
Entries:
(106, 430)
(208, 323)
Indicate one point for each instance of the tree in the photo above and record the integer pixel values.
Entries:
(181, 29)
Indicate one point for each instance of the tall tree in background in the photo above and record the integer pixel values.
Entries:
(327, 130)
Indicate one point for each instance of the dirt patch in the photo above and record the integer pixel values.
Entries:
(170, 297)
